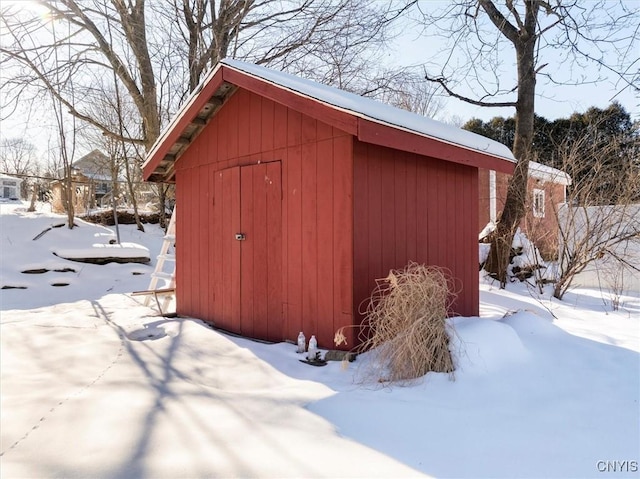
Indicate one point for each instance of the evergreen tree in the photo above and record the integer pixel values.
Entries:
(594, 131)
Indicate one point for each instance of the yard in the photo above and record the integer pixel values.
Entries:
(94, 384)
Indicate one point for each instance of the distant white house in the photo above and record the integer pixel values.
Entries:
(10, 187)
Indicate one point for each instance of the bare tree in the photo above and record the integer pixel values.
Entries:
(66, 149)
(116, 160)
(66, 133)
(36, 187)
(599, 225)
(155, 53)
(406, 89)
(480, 30)
(132, 162)
(18, 157)
(151, 56)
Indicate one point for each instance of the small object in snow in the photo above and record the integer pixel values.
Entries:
(65, 270)
(39, 235)
(147, 333)
(334, 355)
(35, 271)
(301, 343)
(59, 225)
(313, 349)
(315, 362)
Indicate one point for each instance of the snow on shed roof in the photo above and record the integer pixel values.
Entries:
(229, 74)
(375, 110)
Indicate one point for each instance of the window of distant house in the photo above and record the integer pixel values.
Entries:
(538, 203)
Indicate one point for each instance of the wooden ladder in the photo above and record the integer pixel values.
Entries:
(165, 270)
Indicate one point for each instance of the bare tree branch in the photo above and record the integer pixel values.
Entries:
(443, 83)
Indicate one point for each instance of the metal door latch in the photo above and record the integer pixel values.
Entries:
(240, 236)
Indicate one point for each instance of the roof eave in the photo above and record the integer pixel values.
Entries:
(543, 172)
(392, 136)
(365, 128)
(186, 126)
(218, 86)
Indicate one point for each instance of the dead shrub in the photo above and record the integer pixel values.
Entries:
(405, 325)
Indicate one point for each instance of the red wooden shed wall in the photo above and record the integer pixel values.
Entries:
(411, 207)
(317, 178)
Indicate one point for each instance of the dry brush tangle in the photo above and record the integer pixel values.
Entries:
(405, 326)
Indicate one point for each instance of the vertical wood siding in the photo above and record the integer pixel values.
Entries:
(413, 208)
(261, 254)
(316, 213)
(223, 259)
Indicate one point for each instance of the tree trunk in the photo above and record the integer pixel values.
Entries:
(513, 212)
(135, 30)
(515, 202)
(132, 192)
(69, 196)
(162, 205)
(136, 213)
(34, 197)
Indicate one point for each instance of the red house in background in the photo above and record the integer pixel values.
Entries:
(546, 191)
(294, 197)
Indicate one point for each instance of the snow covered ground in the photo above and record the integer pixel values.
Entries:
(94, 384)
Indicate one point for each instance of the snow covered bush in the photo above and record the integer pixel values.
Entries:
(525, 261)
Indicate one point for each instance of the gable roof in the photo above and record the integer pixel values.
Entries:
(94, 165)
(9, 177)
(368, 120)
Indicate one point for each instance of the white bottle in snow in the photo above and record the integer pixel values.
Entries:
(301, 343)
(313, 349)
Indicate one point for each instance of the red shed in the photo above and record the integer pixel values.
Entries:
(294, 197)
